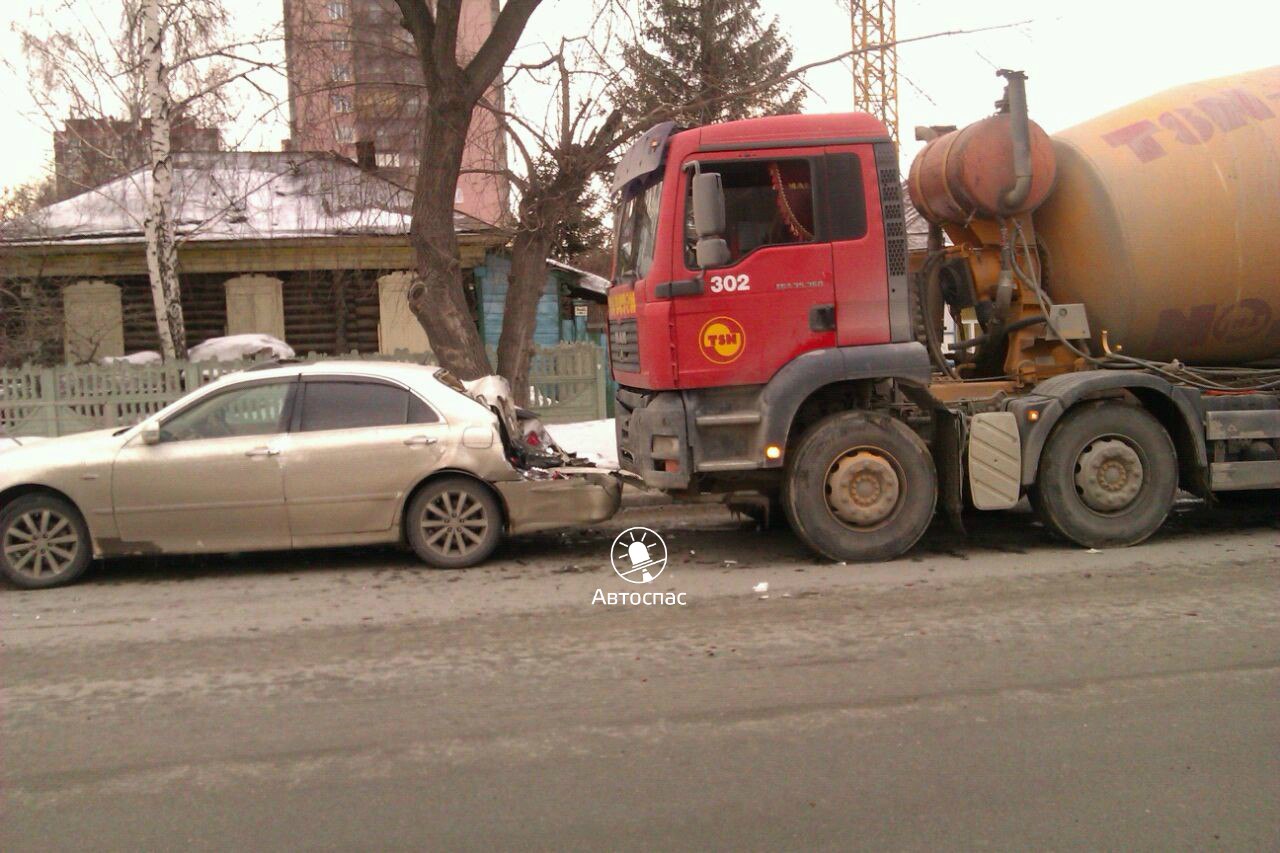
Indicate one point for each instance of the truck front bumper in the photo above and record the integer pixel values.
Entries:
(653, 437)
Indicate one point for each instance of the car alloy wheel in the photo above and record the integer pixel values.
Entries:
(454, 524)
(41, 543)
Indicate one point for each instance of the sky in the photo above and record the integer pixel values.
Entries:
(1083, 58)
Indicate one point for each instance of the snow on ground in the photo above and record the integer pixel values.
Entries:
(594, 440)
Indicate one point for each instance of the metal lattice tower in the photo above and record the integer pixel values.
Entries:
(875, 72)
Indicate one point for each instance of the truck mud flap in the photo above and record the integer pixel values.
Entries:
(948, 447)
(575, 497)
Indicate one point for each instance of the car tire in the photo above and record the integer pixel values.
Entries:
(44, 542)
(1108, 476)
(860, 487)
(453, 523)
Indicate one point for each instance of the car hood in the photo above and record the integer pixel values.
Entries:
(69, 450)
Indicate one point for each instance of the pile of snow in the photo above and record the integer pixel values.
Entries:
(239, 347)
(137, 358)
(594, 440)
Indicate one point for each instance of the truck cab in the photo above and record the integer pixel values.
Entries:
(807, 266)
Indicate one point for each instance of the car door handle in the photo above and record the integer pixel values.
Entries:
(262, 451)
(420, 441)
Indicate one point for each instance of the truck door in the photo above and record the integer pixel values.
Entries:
(855, 227)
(774, 299)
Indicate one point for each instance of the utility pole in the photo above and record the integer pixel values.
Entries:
(875, 69)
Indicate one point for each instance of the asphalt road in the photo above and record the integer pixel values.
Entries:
(996, 692)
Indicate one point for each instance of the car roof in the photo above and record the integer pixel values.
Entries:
(407, 372)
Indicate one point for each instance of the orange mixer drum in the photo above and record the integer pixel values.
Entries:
(1165, 222)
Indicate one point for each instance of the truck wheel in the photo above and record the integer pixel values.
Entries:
(453, 523)
(860, 487)
(43, 542)
(1108, 476)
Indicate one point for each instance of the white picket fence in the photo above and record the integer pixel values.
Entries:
(567, 384)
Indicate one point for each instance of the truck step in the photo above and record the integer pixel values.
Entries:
(1232, 476)
(1225, 426)
(728, 465)
(728, 419)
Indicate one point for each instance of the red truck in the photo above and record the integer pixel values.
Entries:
(772, 335)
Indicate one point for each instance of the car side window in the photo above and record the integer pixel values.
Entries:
(335, 404)
(420, 412)
(236, 412)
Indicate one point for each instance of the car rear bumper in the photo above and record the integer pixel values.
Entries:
(582, 496)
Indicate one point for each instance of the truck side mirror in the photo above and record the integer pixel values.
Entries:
(709, 220)
(712, 252)
(708, 205)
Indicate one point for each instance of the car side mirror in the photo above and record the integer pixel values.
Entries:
(709, 220)
(150, 433)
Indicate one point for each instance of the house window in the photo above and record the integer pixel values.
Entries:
(342, 43)
(337, 10)
(341, 73)
(345, 133)
(388, 159)
(341, 103)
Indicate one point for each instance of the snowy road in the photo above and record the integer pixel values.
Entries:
(1001, 691)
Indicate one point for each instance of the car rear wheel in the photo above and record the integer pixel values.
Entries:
(454, 523)
(43, 542)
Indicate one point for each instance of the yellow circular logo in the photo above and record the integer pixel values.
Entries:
(722, 340)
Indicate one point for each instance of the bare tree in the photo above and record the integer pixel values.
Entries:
(454, 85)
(558, 158)
(162, 254)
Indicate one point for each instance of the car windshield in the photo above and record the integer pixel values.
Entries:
(635, 230)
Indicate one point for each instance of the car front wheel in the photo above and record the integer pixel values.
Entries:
(43, 542)
(454, 523)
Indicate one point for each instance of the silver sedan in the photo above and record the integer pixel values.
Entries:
(294, 456)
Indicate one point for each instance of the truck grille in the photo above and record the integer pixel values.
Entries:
(895, 241)
(624, 345)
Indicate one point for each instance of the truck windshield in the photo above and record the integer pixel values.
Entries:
(635, 230)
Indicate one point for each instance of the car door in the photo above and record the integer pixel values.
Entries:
(214, 480)
(356, 446)
(774, 298)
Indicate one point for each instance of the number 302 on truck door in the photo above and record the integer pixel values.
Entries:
(730, 283)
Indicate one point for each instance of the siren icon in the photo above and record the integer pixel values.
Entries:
(639, 555)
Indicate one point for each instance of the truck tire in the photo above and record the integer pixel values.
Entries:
(860, 487)
(1108, 476)
(43, 542)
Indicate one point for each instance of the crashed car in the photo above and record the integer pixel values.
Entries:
(298, 456)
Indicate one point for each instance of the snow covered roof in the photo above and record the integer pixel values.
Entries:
(239, 196)
(586, 280)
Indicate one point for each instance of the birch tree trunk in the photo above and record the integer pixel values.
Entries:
(162, 254)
